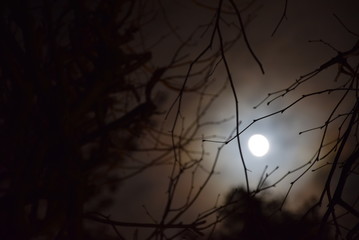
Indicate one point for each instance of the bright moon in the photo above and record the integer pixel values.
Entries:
(258, 145)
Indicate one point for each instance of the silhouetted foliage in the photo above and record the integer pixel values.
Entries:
(252, 217)
(70, 109)
(78, 102)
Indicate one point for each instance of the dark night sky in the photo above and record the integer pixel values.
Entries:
(285, 56)
(96, 98)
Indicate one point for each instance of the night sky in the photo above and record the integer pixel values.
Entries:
(194, 100)
(285, 56)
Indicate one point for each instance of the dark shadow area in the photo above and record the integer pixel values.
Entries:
(70, 110)
(252, 217)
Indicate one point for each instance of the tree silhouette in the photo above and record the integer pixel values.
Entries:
(81, 96)
(252, 217)
(72, 107)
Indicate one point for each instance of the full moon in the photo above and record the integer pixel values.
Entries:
(258, 145)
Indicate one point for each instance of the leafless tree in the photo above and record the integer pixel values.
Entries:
(82, 111)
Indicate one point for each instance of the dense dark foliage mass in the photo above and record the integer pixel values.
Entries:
(248, 217)
(71, 107)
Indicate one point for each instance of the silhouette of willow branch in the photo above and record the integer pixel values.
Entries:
(345, 27)
(342, 143)
(238, 14)
(334, 199)
(98, 217)
(179, 167)
(229, 75)
(341, 58)
(348, 88)
(346, 121)
(282, 18)
(84, 95)
(84, 85)
(216, 31)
